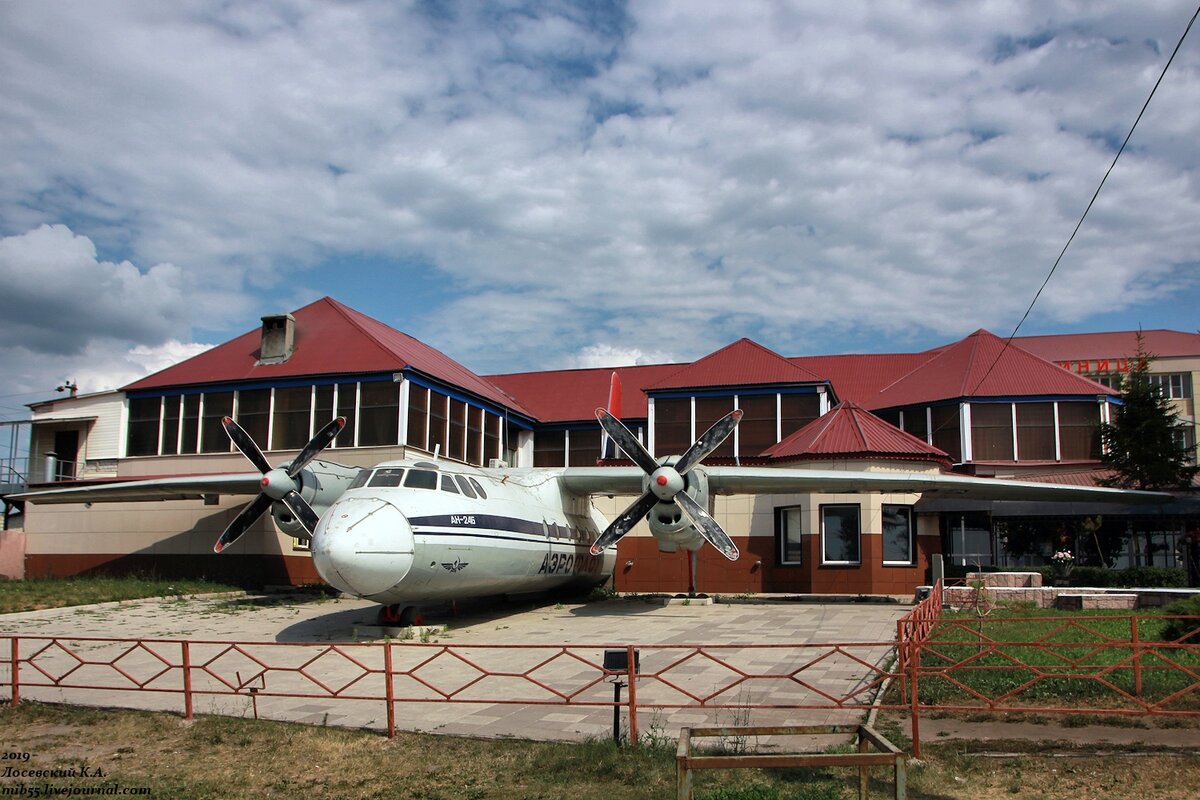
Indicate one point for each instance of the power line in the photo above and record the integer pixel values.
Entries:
(1079, 224)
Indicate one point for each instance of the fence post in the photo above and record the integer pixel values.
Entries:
(1137, 657)
(187, 679)
(388, 691)
(914, 664)
(16, 671)
(631, 671)
(902, 659)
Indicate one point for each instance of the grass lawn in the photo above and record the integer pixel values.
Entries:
(35, 593)
(1026, 657)
(214, 758)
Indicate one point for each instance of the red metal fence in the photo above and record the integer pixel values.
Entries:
(1116, 664)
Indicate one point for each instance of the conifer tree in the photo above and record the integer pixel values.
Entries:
(1142, 443)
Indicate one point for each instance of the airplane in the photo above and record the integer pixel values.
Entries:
(423, 530)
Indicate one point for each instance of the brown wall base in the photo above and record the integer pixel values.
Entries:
(241, 570)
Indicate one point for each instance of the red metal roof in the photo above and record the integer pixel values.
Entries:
(331, 339)
(982, 366)
(858, 378)
(573, 395)
(743, 363)
(1115, 344)
(849, 430)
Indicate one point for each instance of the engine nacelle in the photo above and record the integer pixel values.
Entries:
(321, 484)
(667, 521)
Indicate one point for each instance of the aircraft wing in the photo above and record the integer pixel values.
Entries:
(771, 480)
(189, 487)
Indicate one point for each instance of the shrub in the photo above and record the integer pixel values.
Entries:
(1187, 629)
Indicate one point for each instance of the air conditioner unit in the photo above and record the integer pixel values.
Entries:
(497, 463)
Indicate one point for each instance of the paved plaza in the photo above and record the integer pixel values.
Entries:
(525, 671)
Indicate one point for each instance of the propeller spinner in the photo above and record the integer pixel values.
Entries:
(279, 483)
(667, 484)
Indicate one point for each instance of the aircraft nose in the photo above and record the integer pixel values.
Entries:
(363, 546)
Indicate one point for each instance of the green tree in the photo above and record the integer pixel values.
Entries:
(1142, 443)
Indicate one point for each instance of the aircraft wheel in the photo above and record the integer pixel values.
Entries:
(389, 616)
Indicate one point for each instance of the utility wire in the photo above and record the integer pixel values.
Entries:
(1079, 224)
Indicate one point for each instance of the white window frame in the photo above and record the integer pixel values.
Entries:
(912, 536)
(825, 560)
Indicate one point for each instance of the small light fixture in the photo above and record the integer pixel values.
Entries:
(629, 564)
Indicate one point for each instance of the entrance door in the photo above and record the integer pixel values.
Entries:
(66, 446)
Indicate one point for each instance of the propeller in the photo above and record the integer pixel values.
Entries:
(279, 483)
(667, 483)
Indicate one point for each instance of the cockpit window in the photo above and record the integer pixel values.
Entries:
(360, 480)
(421, 479)
(478, 488)
(448, 484)
(465, 486)
(387, 476)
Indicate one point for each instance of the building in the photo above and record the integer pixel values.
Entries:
(977, 405)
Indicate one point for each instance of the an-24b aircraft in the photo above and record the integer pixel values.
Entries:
(424, 530)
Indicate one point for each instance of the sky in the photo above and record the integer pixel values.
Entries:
(543, 185)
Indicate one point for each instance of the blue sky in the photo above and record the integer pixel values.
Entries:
(529, 185)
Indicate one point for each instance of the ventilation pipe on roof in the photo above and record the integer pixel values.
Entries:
(278, 339)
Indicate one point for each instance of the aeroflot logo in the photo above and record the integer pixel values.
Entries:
(569, 564)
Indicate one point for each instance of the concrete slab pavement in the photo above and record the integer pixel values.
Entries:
(780, 639)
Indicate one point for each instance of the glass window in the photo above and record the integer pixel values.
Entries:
(945, 431)
(448, 484)
(293, 413)
(379, 407)
(991, 432)
(672, 425)
(585, 448)
(142, 436)
(189, 434)
(1175, 387)
(213, 438)
(418, 417)
(708, 411)
(757, 430)
(788, 524)
(478, 488)
(347, 403)
(840, 534)
(1035, 431)
(360, 480)
(438, 404)
(253, 414)
(474, 435)
(170, 428)
(1079, 431)
(898, 544)
(466, 486)
(421, 479)
(797, 410)
(491, 438)
(549, 449)
(916, 422)
(387, 476)
(458, 430)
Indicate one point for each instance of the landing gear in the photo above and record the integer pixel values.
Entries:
(398, 616)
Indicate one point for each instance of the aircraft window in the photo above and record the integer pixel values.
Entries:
(478, 488)
(448, 484)
(387, 477)
(360, 480)
(465, 486)
(421, 479)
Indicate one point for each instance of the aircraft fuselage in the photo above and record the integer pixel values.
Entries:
(417, 531)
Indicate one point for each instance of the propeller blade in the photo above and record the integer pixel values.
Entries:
(301, 510)
(626, 441)
(242, 522)
(319, 442)
(707, 526)
(710, 441)
(624, 522)
(242, 441)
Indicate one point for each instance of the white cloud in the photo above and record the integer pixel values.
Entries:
(516, 185)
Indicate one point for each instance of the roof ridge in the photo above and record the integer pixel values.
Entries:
(355, 320)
